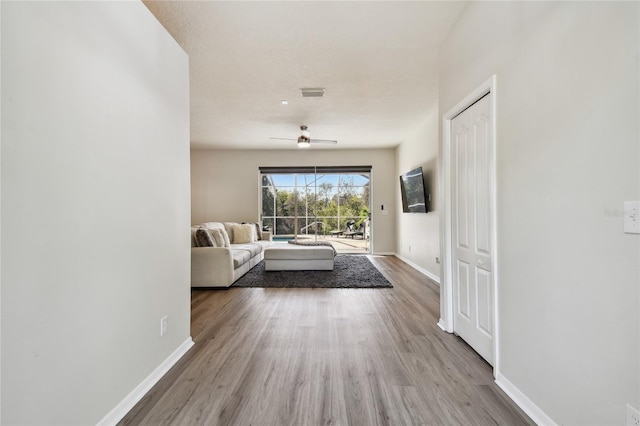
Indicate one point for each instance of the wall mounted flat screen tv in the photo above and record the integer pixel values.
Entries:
(414, 199)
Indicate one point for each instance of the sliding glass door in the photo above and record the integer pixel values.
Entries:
(330, 203)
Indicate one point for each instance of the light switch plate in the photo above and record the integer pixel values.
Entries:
(632, 217)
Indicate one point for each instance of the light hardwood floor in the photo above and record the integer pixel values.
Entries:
(326, 357)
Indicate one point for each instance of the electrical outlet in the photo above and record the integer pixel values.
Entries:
(437, 260)
(163, 325)
(633, 416)
(409, 248)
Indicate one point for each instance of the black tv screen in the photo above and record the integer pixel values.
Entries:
(413, 193)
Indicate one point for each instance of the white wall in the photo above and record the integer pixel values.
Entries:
(224, 184)
(0, 223)
(637, 402)
(95, 206)
(418, 235)
(567, 151)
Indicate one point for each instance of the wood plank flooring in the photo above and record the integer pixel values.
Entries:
(326, 357)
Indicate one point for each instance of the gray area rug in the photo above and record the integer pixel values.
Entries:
(348, 272)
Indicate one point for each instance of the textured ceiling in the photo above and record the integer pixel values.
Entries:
(376, 60)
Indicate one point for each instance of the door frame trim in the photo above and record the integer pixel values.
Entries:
(445, 190)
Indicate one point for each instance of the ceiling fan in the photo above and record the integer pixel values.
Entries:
(304, 140)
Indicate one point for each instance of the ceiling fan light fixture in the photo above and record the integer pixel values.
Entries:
(304, 142)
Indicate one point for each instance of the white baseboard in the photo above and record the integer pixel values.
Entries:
(429, 275)
(121, 410)
(383, 253)
(443, 326)
(531, 409)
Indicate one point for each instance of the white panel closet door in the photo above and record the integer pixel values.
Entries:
(471, 228)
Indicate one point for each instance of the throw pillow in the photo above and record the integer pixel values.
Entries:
(217, 237)
(258, 230)
(258, 234)
(204, 238)
(194, 243)
(225, 237)
(228, 226)
(243, 234)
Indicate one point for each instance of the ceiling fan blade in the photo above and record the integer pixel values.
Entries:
(323, 141)
(284, 139)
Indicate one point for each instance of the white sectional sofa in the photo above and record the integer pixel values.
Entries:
(221, 266)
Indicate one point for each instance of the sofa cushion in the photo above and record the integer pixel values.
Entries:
(240, 257)
(243, 234)
(204, 238)
(253, 248)
(264, 244)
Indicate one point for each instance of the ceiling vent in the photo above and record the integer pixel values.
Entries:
(312, 92)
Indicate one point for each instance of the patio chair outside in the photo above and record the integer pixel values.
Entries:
(348, 228)
(361, 231)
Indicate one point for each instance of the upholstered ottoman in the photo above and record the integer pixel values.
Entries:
(290, 257)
